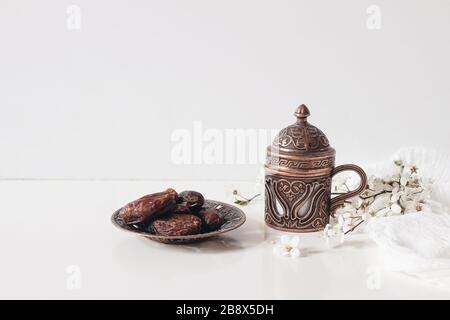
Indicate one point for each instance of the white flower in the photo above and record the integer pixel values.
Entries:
(404, 179)
(288, 241)
(380, 202)
(402, 193)
(230, 192)
(341, 221)
(329, 231)
(364, 216)
(356, 202)
(376, 184)
(395, 185)
(349, 214)
(412, 205)
(325, 231)
(396, 178)
(288, 246)
(395, 208)
(295, 253)
(396, 196)
(335, 230)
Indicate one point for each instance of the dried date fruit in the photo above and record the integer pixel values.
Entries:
(177, 225)
(181, 208)
(212, 220)
(193, 199)
(148, 207)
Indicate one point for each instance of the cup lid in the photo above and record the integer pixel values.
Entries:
(301, 138)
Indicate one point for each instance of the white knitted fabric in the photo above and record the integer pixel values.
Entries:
(418, 243)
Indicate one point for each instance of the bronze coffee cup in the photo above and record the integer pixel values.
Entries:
(299, 168)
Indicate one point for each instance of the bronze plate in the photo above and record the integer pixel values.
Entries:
(232, 216)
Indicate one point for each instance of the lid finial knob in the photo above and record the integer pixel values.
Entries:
(302, 114)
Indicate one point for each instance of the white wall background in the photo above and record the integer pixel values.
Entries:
(101, 102)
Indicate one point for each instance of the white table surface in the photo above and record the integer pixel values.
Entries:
(48, 226)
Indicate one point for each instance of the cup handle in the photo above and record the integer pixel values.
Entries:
(339, 200)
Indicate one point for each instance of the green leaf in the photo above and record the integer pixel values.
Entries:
(398, 162)
(241, 202)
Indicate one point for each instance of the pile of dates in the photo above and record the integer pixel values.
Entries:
(171, 214)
